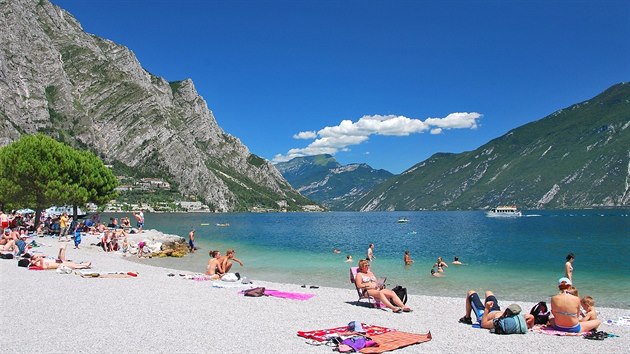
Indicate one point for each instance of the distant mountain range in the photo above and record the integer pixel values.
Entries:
(578, 157)
(322, 179)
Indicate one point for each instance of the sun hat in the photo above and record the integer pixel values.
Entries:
(565, 280)
(514, 309)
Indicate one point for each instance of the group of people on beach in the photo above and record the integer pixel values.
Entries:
(218, 265)
(568, 312)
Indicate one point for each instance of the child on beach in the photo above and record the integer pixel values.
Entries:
(589, 313)
(125, 246)
(77, 235)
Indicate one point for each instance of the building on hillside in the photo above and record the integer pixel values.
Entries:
(194, 207)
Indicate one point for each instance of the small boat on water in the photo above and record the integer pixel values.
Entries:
(223, 225)
(402, 220)
(504, 211)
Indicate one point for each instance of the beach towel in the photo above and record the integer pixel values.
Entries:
(320, 334)
(393, 340)
(93, 274)
(288, 295)
(544, 329)
(623, 321)
(226, 284)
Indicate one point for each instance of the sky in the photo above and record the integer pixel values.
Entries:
(387, 83)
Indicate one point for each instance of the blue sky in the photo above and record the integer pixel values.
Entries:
(388, 83)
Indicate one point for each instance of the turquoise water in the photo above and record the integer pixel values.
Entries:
(519, 258)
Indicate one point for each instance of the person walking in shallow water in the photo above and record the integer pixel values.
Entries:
(370, 253)
(568, 266)
(191, 240)
(407, 258)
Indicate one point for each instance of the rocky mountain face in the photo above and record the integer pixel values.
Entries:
(322, 179)
(578, 157)
(94, 94)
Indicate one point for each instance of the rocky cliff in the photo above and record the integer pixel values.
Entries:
(93, 93)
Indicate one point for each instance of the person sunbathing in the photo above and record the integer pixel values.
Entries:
(47, 263)
(213, 269)
(565, 308)
(225, 262)
(40, 260)
(489, 311)
(366, 280)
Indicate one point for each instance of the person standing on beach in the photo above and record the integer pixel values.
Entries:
(63, 226)
(191, 240)
(139, 219)
(568, 266)
(370, 253)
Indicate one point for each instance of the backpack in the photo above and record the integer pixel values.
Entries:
(541, 313)
(401, 292)
(255, 292)
(514, 324)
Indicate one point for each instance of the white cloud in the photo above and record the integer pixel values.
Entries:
(305, 135)
(330, 140)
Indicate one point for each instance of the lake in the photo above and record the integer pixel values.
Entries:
(518, 258)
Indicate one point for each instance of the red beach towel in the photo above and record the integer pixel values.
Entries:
(320, 334)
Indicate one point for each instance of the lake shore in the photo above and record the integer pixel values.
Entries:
(51, 312)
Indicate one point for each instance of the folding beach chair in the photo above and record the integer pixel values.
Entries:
(363, 295)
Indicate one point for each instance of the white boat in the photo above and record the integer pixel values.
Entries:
(58, 210)
(402, 220)
(504, 211)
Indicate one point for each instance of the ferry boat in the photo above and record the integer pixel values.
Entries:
(504, 211)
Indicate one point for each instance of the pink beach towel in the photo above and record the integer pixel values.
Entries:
(288, 295)
(544, 329)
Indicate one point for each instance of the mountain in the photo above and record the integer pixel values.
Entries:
(322, 179)
(94, 94)
(578, 157)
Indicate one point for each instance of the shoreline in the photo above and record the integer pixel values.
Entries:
(155, 312)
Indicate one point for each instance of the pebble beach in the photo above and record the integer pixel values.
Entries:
(44, 311)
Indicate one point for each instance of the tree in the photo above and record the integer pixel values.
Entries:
(37, 171)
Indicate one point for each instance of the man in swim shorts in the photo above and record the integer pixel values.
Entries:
(474, 303)
(488, 312)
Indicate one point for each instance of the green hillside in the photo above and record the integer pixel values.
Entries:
(577, 157)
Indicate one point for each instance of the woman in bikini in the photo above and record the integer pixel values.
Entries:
(565, 308)
(568, 267)
(366, 280)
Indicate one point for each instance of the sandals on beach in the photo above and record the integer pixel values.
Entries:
(465, 320)
(407, 309)
(596, 335)
(397, 310)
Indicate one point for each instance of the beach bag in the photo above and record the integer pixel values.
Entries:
(514, 324)
(401, 292)
(540, 311)
(255, 292)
